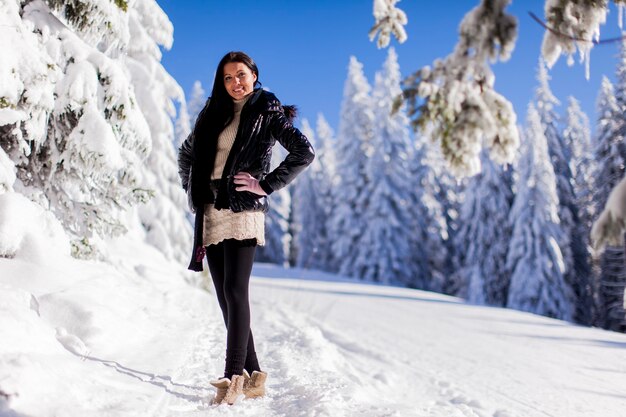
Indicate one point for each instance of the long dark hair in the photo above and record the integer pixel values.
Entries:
(220, 109)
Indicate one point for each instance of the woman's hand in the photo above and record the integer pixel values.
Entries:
(248, 183)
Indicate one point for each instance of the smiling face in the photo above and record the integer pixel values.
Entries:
(238, 79)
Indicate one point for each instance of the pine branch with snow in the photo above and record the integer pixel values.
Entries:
(610, 226)
(457, 96)
(389, 20)
(98, 22)
(81, 121)
(574, 25)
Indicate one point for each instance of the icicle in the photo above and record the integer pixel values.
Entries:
(620, 15)
(587, 57)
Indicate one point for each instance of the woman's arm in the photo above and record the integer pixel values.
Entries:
(300, 154)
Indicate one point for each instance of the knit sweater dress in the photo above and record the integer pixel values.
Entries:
(226, 224)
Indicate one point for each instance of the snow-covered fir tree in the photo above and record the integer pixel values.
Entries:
(610, 157)
(384, 247)
(484, 235)
(577, 137)
(433, 205)
(313, 200)
(155, 90)
(356, 127)
(303, 190)
(537, 269)
(74, 122)
(573, 244)
(277, 234)
(183, 125)
(196, 102)
(83, 157)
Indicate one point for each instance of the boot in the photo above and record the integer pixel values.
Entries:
(254, 385)
(234, 390)
(222, 386)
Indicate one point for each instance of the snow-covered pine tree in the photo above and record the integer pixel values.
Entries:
(313, 200)
(577, 137)
(485, 234)
(163, 218)
(307, 221)
(534, 258)
(277, 234)
(196, 101)
(610, 157)
(573, 244)
(356, 127)
(433, 206)
(26, 94)
(384, 247)
(79, 150)
(303, 191)
(183, 125)
(72, 121)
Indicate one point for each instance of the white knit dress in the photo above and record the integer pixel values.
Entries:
(225, 224)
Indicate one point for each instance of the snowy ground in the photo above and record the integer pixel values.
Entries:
(331, 348)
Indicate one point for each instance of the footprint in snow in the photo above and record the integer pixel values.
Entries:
(72, 342)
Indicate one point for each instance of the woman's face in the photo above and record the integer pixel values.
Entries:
(238, 79)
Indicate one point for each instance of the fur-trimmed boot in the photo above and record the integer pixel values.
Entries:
(254, 385)
(228, 390)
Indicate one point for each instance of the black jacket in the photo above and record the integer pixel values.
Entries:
(263, 122)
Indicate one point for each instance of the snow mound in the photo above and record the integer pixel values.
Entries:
(29, 232)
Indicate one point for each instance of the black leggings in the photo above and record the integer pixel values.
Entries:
(230, 263)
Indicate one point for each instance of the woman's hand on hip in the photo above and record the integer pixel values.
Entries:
(248, 183)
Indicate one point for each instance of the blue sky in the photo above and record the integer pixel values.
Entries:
(302, 48)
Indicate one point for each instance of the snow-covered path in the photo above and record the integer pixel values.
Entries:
(428, 355)
(331, 348)
(344, 349)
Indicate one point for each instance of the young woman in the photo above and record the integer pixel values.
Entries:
(224, 167)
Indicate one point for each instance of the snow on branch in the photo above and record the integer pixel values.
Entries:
(389, 19)
(103, 22)
(610, 226)
(456, 95)
(574, 25)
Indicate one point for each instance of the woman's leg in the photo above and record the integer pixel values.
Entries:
(230, 263)
(215, 259)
